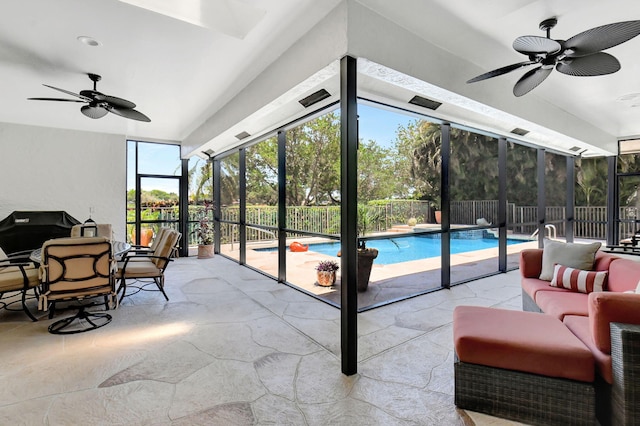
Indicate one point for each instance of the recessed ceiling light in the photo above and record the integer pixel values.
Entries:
(89, 41)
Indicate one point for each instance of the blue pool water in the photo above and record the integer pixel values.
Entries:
(404, 249)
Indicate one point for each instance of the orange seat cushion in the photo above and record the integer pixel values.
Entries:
(579, 326)
(607, 307)
(522, 341)
(559, 304)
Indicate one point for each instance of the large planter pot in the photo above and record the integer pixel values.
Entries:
(365, 263)
(205, 251)
(146, 235)
(326, 278)
(438, 215)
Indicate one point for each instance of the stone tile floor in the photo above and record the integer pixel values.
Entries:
(233, 347)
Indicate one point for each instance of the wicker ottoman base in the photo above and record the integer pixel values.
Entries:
(523, 397)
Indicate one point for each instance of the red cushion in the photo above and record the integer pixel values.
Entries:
(603, 260)
(624, 275)
(579, 326)
(577, 279)
(559, 304)
(521, 341)
(608, 307)
(530, 263)
(533, 285)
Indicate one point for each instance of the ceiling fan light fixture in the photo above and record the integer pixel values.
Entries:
(89, 41)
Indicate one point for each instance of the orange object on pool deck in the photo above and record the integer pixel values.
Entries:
(296, 246)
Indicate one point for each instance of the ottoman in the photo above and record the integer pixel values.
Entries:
(522, 366)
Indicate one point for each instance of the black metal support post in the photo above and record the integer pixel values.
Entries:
(282, 206)
(612, 196)
(502, 205)
(542, 202)
(570, 222)
(242, 180)
(445, 207)
(183, 218)
(349, 214)
(216, 204)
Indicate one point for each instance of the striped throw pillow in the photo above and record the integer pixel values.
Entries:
(577, 279)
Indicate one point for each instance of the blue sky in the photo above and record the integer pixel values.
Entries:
(375, 124)
(380, 125)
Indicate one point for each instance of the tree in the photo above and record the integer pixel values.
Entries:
(262, 173)
(420, 160)
(313, 162)
(376, 172)
(591, 180)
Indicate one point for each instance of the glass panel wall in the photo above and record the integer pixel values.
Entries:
(522, 200)
(230, 206)
(555, 187)
(591, 198)
(154, 171)
(628, 170)
(262, 206)
(200, 196)
(312, 199)
(473, 178)
(399, 168)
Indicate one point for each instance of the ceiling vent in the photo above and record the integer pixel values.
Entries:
(520, 132)
(242, 135)
(575, 149)
(425, 103)
(314, 98)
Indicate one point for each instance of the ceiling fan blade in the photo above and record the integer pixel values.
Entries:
(534, 45)
(114, 101)
(531, 80)
(128, 113)
(55, 99)
(591, 65)
(601, 38)
(67, 92)
(500, 71)
(93, 111)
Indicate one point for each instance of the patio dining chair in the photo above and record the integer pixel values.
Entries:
(75, 269)
(148, 267)
(18, 275)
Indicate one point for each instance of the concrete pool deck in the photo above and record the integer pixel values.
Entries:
(388, 282)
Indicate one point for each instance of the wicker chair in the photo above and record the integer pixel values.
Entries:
(77, 269)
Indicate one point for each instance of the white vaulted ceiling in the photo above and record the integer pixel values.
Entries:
(205, 70)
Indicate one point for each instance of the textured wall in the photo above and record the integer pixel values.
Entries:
(43, 168)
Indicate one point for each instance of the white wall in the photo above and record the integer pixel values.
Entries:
(43, 168)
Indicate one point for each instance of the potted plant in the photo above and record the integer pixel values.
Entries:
(205, 234)
(367, 217)
(326, 271)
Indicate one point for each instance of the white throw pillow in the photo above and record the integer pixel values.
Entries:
(573, 255)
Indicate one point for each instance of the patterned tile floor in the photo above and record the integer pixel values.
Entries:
(233, 347)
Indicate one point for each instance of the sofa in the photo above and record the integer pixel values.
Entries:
(606, 319)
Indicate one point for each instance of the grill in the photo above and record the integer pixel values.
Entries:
(27, 230)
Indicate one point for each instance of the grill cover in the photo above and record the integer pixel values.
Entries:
(27, 230)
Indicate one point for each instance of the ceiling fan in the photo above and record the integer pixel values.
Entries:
(578, 56)
(99, 104)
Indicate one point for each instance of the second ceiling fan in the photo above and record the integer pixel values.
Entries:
(581, 55)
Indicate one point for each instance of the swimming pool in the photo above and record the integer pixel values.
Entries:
(404, 249)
